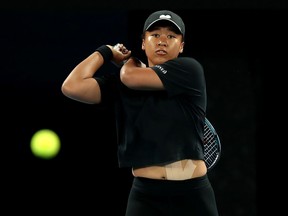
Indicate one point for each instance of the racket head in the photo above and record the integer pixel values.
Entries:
(212, 145)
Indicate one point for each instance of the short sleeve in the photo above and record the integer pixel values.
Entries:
(183, 75)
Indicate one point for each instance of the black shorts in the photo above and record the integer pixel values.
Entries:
(150, 197)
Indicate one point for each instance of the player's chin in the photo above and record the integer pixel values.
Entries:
(160, 59)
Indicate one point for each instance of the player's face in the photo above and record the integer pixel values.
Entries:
(161, 44)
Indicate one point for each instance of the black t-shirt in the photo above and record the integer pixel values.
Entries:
(159, 127)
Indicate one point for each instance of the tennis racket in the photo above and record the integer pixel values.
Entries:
(212, 145)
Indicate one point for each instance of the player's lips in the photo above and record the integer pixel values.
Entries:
(161, 52)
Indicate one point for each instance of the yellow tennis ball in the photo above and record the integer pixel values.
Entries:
(45, 144)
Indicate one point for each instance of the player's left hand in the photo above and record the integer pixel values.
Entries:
(120, 54)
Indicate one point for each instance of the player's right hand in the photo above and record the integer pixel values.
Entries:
(120, 54)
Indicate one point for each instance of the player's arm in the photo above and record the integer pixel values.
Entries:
(135, 75)
(80, 84)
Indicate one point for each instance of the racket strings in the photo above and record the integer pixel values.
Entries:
(210, 147)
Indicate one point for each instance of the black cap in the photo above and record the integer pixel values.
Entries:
(165, 15)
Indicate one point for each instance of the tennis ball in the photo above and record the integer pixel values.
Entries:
(45, 144)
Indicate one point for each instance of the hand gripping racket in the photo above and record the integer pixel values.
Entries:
(212, 145)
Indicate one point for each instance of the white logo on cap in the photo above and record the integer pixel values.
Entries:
(165, 17)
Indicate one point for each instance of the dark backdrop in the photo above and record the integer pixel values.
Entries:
(40, 45)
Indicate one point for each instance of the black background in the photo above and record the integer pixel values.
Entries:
(239, 44)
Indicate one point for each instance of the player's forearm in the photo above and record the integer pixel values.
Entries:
(83, 71)
(89, 66)
(129, 70)
(80, 84)
(135, 75)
